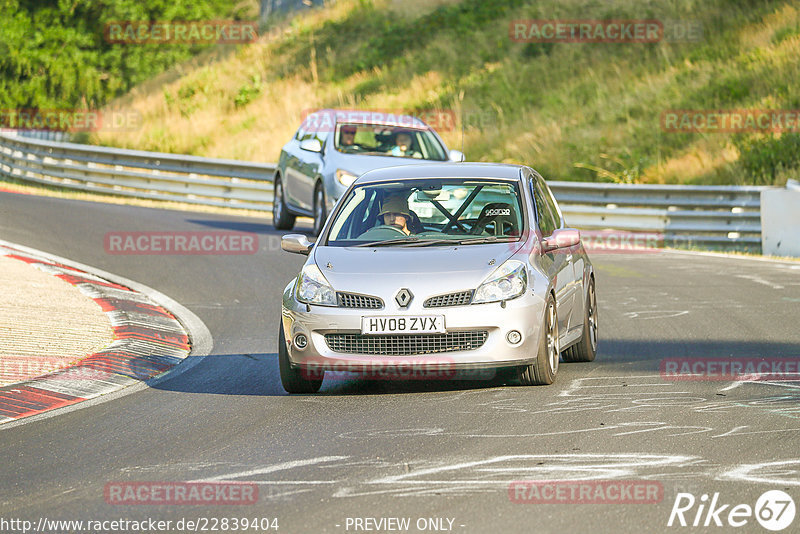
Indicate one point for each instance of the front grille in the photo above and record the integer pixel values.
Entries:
(451, 299)
(352, 300)
(406, 344)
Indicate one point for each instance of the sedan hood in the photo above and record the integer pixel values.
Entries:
(447, 268)
(360, 164)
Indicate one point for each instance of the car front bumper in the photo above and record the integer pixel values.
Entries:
(523, 314)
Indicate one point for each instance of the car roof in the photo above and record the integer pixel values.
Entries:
(502, 171)
(362, 116)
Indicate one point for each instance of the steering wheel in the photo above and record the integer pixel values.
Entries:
(388, 230)
(480, 226)
(350, 149)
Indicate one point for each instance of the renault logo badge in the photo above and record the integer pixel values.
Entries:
(403, 297)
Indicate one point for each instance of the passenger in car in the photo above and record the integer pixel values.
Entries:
(404, 147)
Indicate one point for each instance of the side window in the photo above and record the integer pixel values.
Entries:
(547, 221)
(551, 202)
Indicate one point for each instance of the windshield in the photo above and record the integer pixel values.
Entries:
(395, 141)
(429, 212)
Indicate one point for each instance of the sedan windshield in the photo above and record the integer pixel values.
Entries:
(395, 141)
(429, 212)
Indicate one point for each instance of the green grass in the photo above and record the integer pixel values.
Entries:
(574, 111)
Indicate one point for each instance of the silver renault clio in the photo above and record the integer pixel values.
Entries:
(439, 271)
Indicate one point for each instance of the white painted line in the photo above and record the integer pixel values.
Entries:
(273, 468)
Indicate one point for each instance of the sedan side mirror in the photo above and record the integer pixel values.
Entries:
(457, 156)
(296, 243)
(312, 145)
(562, 238)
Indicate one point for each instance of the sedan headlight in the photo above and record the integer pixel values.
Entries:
(345, 178)
(507, 282)
(312, 288)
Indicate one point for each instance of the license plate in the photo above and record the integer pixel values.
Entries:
(403, 324)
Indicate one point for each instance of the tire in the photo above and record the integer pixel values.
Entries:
(292, 379)
(586, 349)
(320, 212)
(281, 218)
(543, 371)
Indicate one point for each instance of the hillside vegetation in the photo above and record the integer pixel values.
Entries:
(54, 56)
(575, 111)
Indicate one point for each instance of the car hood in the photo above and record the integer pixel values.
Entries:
(433, 270)
(359, 165)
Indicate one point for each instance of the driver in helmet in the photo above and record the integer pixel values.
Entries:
(395, 212)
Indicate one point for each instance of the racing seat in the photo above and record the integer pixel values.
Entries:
(496, 218)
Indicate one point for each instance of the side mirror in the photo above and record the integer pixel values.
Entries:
(563, 238)
(457, 156)
(311, 145)
(296, 243)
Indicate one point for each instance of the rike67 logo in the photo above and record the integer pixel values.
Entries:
(774, 510)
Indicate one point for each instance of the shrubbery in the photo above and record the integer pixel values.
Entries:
(53, 54)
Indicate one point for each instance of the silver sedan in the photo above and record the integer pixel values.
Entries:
(439, 271)
(333, 147)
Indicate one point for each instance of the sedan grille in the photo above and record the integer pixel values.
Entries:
(451, 299)
(406, 344)
(353, 300)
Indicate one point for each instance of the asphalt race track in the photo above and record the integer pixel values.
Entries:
(420, 449)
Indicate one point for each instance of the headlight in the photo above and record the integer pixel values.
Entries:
(507, 282)
(345, 178)
(312, 288)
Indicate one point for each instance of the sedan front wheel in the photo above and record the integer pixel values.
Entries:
(320, 213)
(543, 371)
(281, 218)
(292, 379)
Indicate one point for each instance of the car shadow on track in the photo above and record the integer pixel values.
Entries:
(258, 374)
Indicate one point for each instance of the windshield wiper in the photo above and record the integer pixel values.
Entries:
(488, 239)
(416, 241)
(387, 242)
(410, 241)
(431, 241)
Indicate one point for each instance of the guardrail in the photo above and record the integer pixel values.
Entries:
(137, 173)
(721, 217)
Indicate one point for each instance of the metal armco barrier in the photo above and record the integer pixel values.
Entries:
(140, 174)
(719, 217)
